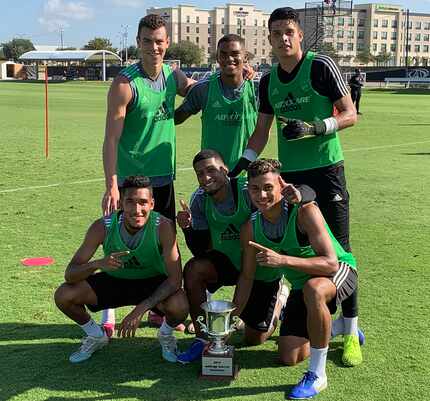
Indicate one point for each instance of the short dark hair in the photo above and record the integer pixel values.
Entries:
(231, 37)
(151, 21)
(205, 154)
(282, 13)
(136, 182)
(263, 166)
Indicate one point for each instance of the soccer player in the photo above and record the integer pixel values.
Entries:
(140, 131)
(297, 241)
(141, 267)
(300, 92)
(356, 83)
(212, 228)
(227, 101)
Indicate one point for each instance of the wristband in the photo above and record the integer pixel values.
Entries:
(331, 125)
(250, 154)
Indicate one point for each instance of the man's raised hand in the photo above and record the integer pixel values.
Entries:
(184, 217)
(290, 192)
(110, 201)
(113, 261)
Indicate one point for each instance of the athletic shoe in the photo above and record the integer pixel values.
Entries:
(361, 337)
(89, 345)
(169, 349)
(308, 387)
(109, 329)
(351, 350)
(194, 352)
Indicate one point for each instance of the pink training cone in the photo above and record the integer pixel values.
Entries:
(39, 261)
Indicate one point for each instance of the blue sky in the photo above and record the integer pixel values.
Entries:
(82, 20)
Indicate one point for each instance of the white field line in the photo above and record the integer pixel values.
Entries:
(190, 168)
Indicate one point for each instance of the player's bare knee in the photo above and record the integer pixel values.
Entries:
(195, 272)
(313, 291)
(176, 305)
(64, 294)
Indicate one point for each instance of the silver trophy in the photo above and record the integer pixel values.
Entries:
(217, 358)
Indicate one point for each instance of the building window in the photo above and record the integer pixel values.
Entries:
(263, 51)
(197, 20)
(425, 49)
(350, 47)
(264, 42)
(197, 39)
(255, 51)
(351, 34)
(209, 20)
(339, 46)
(222, 31)
(410, 25)
(209, 41)
(360, 46)
(384, 35)
(188, 18)
(383, 48)
(209, 30)
(393, 48)
(384, 23)
(340, 21)
(264, 22)
(238, 31)
(255, 22)
(255, 42)
(427, 26)
(256, 32)
(187, 29)
(418, 36)
(340, 34)
(197, 29)
(417, 48)
(426, 38)
(351, 21)
(361, 22)
(394, 23)
(375, 47)
(360, 35)
(264, 32)
(375, 35)
(394, 35)
(238, 22)
(222, 20)
(418, 25)
(187, 38)
(408, 48)
(409, 36)
(375, 23)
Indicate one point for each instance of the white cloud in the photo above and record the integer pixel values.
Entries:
(127, 3)
(57, 13)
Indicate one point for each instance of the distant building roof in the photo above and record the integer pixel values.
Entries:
(69, 55)
(45, 48)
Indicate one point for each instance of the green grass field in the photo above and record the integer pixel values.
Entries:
(47, 205)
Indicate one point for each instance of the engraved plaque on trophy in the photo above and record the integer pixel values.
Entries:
(218, 358)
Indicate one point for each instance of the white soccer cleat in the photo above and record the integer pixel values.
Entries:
(169, 348)
(89, 345)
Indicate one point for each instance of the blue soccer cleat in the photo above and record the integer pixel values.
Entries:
(308, 387)
(193, 353)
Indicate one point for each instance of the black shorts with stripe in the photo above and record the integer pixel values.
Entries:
(258, 313)
(294, 314)
(113, 292)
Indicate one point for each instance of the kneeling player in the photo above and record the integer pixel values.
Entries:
(141, 267)
(212, 230)
(297, 241)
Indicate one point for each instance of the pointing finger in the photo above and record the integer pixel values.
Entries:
(258, 246)
(119, 254)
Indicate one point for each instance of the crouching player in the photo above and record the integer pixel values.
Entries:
(141, 267)
(297, 241)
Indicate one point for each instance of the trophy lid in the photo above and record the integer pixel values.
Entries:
(218, 306)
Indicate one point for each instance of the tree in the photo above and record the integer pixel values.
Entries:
(329, 50)
(99, 44)
(364, 56)
(188, 52)
(16, 47)
(383, 58)
(132, 53)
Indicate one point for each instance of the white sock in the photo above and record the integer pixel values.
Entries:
(318, 361)
(108, 316)
(337, 326)
(351, 325)
(92, 329)
(165, 329)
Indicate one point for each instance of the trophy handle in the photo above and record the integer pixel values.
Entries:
(233, 326)
(200, 321)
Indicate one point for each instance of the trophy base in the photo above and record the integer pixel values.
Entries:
(219, 367)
